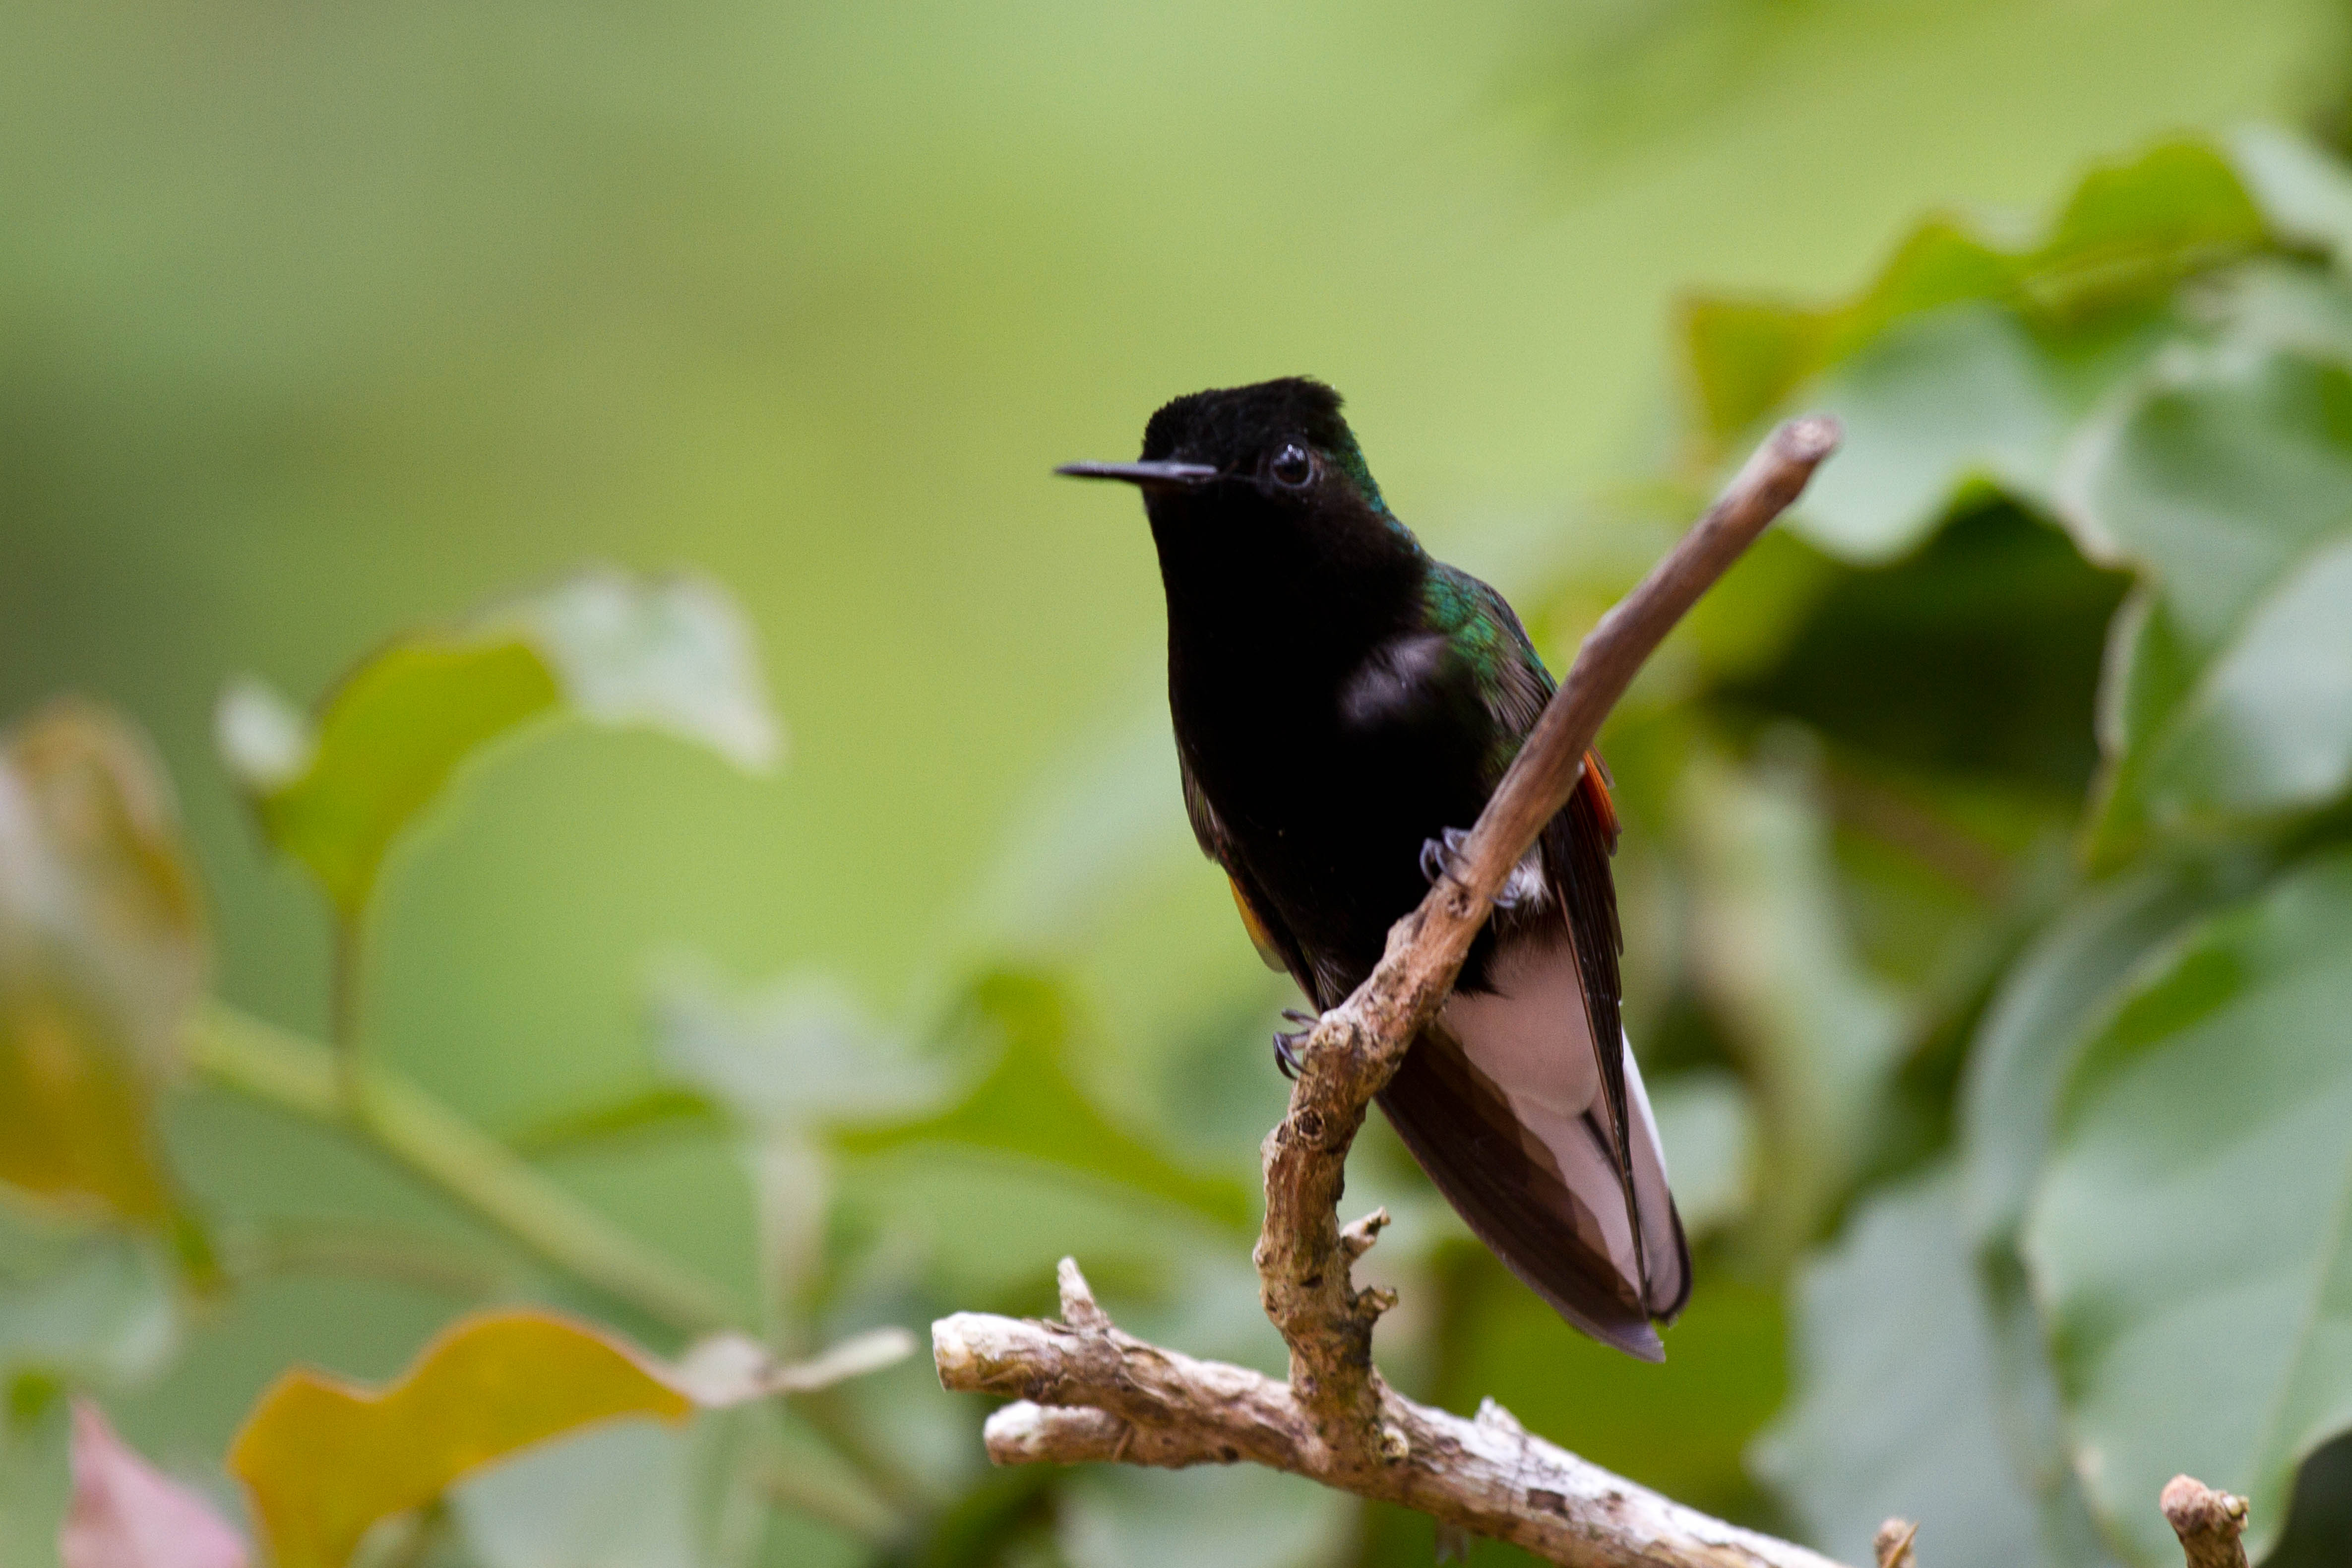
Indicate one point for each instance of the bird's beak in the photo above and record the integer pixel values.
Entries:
(1162, 477)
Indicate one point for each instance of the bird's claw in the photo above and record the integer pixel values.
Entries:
(1286, 1053)
(1286, 1044)
(1441, 858)
(1441, 855)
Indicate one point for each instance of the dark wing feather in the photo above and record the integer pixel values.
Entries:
(1577, 843)
(1510, 1194)
(1274, 944)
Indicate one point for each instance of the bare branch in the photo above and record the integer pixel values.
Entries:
(2209, 1523)
(1090, 1392)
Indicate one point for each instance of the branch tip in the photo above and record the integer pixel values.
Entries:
(1357, 1239)
(1892, 1544)
(1809, 439)
(1078, 1307)
(2208, 1522)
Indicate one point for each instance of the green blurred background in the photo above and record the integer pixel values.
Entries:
(318, 322)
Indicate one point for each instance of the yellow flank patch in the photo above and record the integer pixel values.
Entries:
(1260, 938)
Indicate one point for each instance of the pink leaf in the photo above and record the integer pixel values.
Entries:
(127, 1514)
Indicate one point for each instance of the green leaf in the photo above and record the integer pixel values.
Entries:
(2038, 1019)
(82, 1309)
(623, 1493)
(1818, 1034)
(1894, 1412)
(800, 1055)
(337, 793)
(2304, 194)
(1707, 1127)
(2128, 235)
(2190, 1238)
(1028, 1105)
(2228, 482)
(102, 952)
(1940, 400)
(2269, 728)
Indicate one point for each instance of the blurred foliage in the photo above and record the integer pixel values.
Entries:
(1984, 885)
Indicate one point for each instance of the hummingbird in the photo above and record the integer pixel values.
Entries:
(1344, 705)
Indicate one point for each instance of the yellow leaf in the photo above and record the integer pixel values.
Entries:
(103, 950)
(323, 1459)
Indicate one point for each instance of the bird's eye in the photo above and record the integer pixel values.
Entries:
(1292, 467)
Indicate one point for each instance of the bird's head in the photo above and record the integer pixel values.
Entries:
(1269, 471)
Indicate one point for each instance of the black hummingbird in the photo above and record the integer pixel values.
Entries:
(1344, 705)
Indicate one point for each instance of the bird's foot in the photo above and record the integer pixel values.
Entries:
(1442, 857)
(1285, 1046)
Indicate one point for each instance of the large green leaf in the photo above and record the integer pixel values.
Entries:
(2269, 727)
(1894, 1412)
(2036, 1021)
(337, 793)
(1819, 1033)
(102, 951)
(2128, 233)
(2227, 480)
(2189, 1240)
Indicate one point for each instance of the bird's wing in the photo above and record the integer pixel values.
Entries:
(1500, 1101)
(1277, 948)
(1578, 842)
(1549, 1044)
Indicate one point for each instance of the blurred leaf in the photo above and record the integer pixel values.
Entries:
(80, 1309)
(2304, 192)
(2128, 233)
(2227, 480)
(673, 654)
(1936, 401)
(1975, 658)
(1894, 1412)
(127, 1514)
(788, 1063)
(103, 950)
(2188, 1240)
(324, 1459)
(1681, 1428)
(1708, 1129)
(1819, 1034)
(2320, 1523)
(1235, 1516)
(2036, 1023)
(1029, 1105)
(2269, 728)
(801, 1054)
(619, 1496)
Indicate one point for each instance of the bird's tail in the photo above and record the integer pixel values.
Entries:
(1553, 1209)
